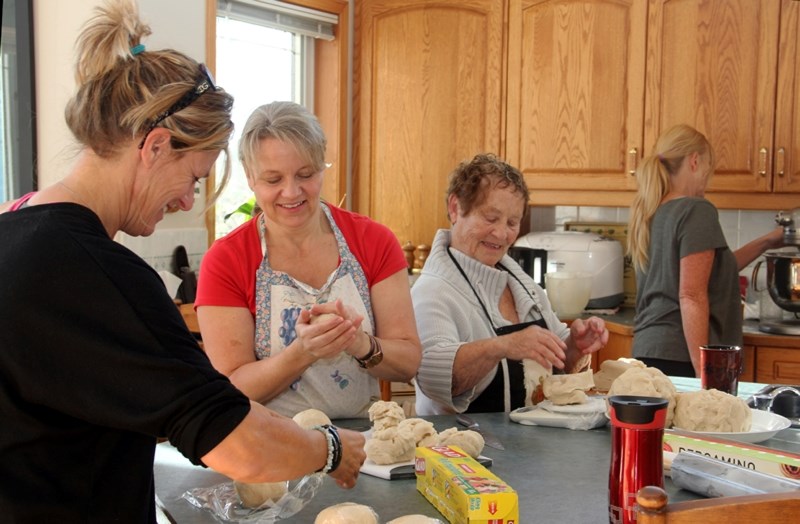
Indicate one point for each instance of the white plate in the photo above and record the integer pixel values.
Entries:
(765, 425)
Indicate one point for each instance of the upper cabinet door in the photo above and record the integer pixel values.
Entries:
(576, 92)
(786, 149)
(712, 65)
(429, 77)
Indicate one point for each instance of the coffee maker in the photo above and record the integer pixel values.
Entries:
(783, 276)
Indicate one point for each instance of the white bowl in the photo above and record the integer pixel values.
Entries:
(568, 292)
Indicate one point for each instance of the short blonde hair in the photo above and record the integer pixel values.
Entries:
(653, 179)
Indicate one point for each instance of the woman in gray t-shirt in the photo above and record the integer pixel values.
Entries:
(686, 276)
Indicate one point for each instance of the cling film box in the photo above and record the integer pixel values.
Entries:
(463, 491)
(771, 461)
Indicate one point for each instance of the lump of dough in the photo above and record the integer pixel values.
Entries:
(470, 441)
(712, 410)
(309, 418)
(568, 389)
(611, 369)
(315, 319)
(347, 513)
(254, 494)
(423, 431)
(646, 382)
(385, 414)
(400, 448)
(414, 519)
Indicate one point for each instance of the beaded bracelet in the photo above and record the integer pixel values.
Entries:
(334, 448)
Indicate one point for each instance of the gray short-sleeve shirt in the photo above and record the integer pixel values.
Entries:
(679, 228)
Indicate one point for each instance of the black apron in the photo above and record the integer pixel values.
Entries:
(491, 399)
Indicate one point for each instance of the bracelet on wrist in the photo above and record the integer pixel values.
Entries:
(374, 356)
(334, 448)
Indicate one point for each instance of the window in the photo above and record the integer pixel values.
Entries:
(17, 122)
(264, 52)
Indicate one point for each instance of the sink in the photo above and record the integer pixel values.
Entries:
(782, 399)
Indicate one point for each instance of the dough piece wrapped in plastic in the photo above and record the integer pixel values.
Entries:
(470, 441)
(568, 389)
(255, 494)
(712, 410)
(647, 382)
(309, 418)
(347, 513)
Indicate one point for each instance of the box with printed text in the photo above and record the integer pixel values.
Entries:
(463, 490)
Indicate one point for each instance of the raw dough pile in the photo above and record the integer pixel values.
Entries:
(611, 369)
(254, 494)
(347, 513)
(646, 382)
(712, 410)
(309, 418)
(415, 519)
(395, 438)
(568, 389)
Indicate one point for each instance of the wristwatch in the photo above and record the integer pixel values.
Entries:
(374, 356)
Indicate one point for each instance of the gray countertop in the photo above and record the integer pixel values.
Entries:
(560, 475)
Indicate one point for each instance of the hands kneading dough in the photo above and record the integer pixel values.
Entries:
(256, 494)
(712, 410)
(395, 438)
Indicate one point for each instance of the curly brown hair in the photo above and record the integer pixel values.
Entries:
(472, 181)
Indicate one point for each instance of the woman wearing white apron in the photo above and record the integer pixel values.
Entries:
(262, 284)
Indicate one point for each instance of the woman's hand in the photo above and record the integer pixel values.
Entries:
(353, 457)
(359, 344)
(535, 343)
(326, 330)
(588, 335)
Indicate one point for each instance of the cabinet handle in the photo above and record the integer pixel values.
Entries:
(633, 156)
(762, 161)
(780, 160)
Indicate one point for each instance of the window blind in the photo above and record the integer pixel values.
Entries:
(280, 15)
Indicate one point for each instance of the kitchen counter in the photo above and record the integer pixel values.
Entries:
(621, 323)
(560, 475)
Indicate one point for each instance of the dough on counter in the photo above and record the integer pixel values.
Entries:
(712, 410)
(423, 431)
(309, 418)
(569, 388)
(254, 494)
(385, 414)
(611, 369)
(470, 441)
(414, 519)
(646, 382)
(347, 513)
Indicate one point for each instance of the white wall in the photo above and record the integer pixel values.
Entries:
(176, 24)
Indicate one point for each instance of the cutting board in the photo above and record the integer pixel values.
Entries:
(402, 470)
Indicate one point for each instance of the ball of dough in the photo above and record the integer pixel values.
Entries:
(611, 369)
(423, 431)
(400, 448)
(385, 414)
(712, 410)
(316, 319)
(646, 382)
(414, 519)
(347, 513)
(309, 418)
(254, 494)
(470, 441)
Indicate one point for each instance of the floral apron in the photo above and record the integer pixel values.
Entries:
(337, 386)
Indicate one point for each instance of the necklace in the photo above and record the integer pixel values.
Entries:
(77, 197)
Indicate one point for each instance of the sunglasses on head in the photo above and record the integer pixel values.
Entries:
(204, 83)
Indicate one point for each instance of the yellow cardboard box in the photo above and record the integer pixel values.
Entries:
(463, 490)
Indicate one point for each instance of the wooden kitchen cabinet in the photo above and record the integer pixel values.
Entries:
(429, 94)
(717, 66)
(575, 93)
(776, 365)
